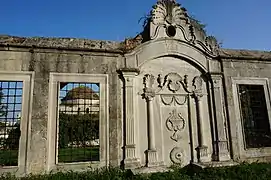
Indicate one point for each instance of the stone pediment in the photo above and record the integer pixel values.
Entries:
(168, 19)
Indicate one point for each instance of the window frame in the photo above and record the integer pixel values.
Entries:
(53, 110)
(27, 78)
(250, 152)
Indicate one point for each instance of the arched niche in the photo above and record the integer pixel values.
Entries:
(173, 103)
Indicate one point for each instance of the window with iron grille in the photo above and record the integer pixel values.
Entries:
(10, 114)
(78, 119)
(254, 116)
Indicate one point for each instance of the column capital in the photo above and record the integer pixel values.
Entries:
(149, 94)
(216, 79)
(215, 75)
(128, 71)
(198, 96)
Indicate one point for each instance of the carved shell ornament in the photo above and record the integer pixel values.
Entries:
(197, 83)
(172, 16)
(168, 11)
(148, 82)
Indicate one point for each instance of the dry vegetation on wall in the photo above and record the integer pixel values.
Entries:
(253, 171)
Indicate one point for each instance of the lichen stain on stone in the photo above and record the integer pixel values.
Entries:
(44, 66)
(32, 62)
(82, 64)
(57, 64)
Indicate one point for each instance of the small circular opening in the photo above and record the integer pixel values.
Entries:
(171, 31)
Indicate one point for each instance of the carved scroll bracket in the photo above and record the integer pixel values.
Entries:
(173, 81)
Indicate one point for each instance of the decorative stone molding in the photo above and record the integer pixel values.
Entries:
(176, 155)
(169, 19)
(148, 82)
(173, 81)
(131, 160)
(176, 123)
(168, 100)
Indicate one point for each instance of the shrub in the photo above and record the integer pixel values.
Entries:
(253, 171)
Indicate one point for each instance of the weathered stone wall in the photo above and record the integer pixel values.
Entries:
(249, 65)
(126, 72)
(43, 62)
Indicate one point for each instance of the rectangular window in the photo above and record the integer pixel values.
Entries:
(254, 115)
(78, 118)
(77, 121)
(11, 93)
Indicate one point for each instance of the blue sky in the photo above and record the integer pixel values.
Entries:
(238, 24)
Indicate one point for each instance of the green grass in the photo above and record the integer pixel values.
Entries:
(78, 154)
(253, 171)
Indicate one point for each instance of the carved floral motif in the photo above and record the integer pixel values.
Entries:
(175, 123)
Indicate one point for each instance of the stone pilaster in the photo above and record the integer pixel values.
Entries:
(131, 160)
(223, 153)
(202, 149)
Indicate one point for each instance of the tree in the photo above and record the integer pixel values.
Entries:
(78, 128)
(3, 108)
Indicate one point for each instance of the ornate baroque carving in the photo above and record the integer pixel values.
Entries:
(168, 11)
(176, 155)
(173, 99)
(174, 82)
(148, 82)
(175, 122)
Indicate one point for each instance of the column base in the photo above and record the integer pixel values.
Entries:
(151, 156)
(223, 151)
(202, 153)
(131, 163)
(130, 160)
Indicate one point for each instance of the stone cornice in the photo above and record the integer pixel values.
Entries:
(60, 43)
(243, 54)
(112, 47)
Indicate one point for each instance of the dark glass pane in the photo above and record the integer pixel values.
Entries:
(78, 122)
(254, 116)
